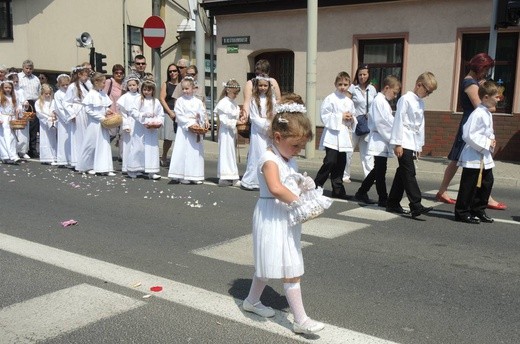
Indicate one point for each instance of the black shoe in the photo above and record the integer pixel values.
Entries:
(339, 196)
(397, 210)
(420, 211)
(484, 218)
(467, 219)
(381, 203)
(363, 197)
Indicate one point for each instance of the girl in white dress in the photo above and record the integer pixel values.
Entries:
(64, 146)
(260, 114)
(148, 113)
(96, 155)
(228, 114)
(276, 244)
(187, 161)
(73, 101)
(9, 109)
(124, 105)
(22, 135)
(48, 138)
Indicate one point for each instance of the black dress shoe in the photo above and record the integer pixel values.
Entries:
(467, 219)
(364, 198)
(340, 196)
(420, 211)
(484, 218)
(397, 210)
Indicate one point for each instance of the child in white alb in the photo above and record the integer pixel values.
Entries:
(276, 244)
(48, 138)
(10, 109)
(228, 113)
(187, 160)
(260, 114)
(64, 127)
(143, 149)
(125, 104)
(96, 155)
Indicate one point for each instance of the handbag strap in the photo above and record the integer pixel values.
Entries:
(366, 96)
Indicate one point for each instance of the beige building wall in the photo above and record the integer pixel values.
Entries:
(430, 26)
(45, 31)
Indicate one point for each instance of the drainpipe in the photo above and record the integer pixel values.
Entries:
(312, 47)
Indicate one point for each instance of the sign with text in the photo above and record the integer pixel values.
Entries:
(232, 49)
(236, 40)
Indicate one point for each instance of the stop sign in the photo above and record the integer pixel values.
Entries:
(154, 31)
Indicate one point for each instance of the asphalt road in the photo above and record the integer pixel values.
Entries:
(388, 278)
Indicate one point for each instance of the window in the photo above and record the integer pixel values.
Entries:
(135, 43)
(6, 20)
(282, 68)
(505, 63)
(384, 57)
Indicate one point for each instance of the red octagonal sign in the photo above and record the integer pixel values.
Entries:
(154, 31)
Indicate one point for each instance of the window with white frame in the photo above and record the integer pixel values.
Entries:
(6, 20)
(505, 63)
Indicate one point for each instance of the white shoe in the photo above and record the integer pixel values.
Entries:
(184, 181)
(236, 183)
(132, 175)
(153, 176)
(54, 164)
(91, 172)
(346, 180)
(196, 182)
(111, 174)
(309, 326)
(258, 308)
(26, 156)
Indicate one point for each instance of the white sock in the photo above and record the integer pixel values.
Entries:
(257, 287)
(293, 293)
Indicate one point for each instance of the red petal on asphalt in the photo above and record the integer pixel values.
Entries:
(156, 288)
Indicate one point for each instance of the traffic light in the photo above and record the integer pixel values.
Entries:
(100, 64)
(508, 13)
(92, 56)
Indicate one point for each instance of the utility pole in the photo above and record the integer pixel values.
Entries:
(312, 47)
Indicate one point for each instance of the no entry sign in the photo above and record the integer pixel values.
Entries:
(154, 31)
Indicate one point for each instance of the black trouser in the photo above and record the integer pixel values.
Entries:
(333, 165)
(473, 200)
(34, 129)
(377, 175)
(404, 180)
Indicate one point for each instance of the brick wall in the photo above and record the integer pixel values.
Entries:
(441, 128)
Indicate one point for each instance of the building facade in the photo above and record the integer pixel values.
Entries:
(403, 38)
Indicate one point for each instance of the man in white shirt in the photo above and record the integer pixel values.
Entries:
(31, 86)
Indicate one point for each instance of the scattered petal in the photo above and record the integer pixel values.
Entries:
(156, 288)
(146, 296)
(68, 223)
(137, 285)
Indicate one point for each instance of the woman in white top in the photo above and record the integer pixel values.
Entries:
(363, 93)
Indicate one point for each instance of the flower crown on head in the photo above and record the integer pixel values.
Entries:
(10, 74)
(6, 82)
(290, 107)
(228, 84)
(189, 78)
(259, 77)
(61, 76)
(78, 69)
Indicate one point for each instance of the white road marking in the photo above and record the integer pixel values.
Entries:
(63, 311)
(237, 251)
(197, 298)
(372, 213)
(324, 227)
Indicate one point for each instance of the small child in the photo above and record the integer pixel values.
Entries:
(261, 114)
(276, 244)
(96, 156)
(476, 159)
(143, 150)
(228, 114)
(380, 121)
(408, 140)
(187, 160)
(337, 114)
(10, 109)
(48, 138)
(22, 135)
(124, 106)
(64, 146)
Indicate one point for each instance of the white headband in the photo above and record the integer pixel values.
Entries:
(290, 107)
(263, 78)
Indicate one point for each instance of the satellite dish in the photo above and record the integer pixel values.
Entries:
(84, 40)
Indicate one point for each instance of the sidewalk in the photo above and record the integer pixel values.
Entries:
(506, 174)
